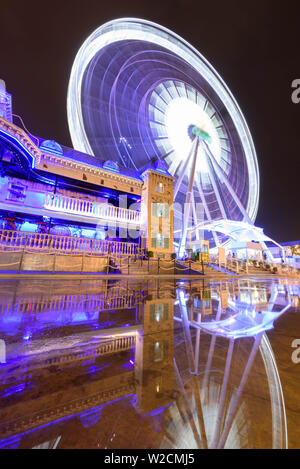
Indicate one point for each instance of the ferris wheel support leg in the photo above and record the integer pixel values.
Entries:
(187, 207)
(226, 181)
(234, 405)
(187, 331)
(189, 411)
(183, 171)
(273, 298)
(223, 393)
(195, 217)
(211, 351)
(206, 210)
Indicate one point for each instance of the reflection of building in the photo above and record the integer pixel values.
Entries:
(94, 367)
(201, 302)
(154, 370)
(151, 382)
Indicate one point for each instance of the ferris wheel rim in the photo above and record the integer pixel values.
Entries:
(132, 28)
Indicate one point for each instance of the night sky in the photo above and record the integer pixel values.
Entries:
(253, 46)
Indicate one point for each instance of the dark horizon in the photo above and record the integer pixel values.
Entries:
(253, 48)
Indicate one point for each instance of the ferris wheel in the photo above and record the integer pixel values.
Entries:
(138, 92)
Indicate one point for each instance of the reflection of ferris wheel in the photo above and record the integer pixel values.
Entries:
(137, 82)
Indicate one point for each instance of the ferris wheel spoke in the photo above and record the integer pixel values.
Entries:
(177, 90)
(186, 93)
(156, 107)
(226, 149)
(167, 90)
(156, 122)
(174, 167)
(162, 101)
(162, 138)
(166, 156)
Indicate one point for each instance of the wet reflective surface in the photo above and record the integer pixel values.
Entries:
(153, 364)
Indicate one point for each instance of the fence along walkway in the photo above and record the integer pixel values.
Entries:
(11, 240)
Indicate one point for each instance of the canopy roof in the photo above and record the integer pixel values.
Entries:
(237, 230)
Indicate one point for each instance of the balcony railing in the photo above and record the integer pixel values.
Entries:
(61, 203)
(18, 240)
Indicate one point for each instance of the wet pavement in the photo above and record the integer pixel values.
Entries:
(149, 364)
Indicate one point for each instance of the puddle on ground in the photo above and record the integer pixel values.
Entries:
(153, 364)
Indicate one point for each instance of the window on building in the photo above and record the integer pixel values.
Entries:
(159, 241)
(160, 210)
(159, 188)
(158, 352)
(159, 312)
(16, 192)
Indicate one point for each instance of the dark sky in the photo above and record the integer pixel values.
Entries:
(254, 46)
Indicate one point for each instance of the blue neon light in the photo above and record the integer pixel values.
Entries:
(158, 411)
(50, 146)
(10, 137)
(12, 439)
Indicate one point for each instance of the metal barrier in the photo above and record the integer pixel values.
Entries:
(242, 266)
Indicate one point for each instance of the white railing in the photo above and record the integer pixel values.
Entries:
(70, 304)
(61, 203)
(18, 240)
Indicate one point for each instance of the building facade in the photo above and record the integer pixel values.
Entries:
(49, 188)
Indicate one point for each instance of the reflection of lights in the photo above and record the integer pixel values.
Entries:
(158, 411)
(6, 442)
(245, 320)
(231, 320)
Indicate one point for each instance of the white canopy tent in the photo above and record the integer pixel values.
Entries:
(239, 231)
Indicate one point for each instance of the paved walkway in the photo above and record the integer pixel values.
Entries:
(100, 276)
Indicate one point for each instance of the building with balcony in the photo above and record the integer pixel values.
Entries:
(48, 188)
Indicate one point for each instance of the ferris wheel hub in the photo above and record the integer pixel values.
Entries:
(201, 134)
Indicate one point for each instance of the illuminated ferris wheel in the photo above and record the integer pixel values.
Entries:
(138, 93)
